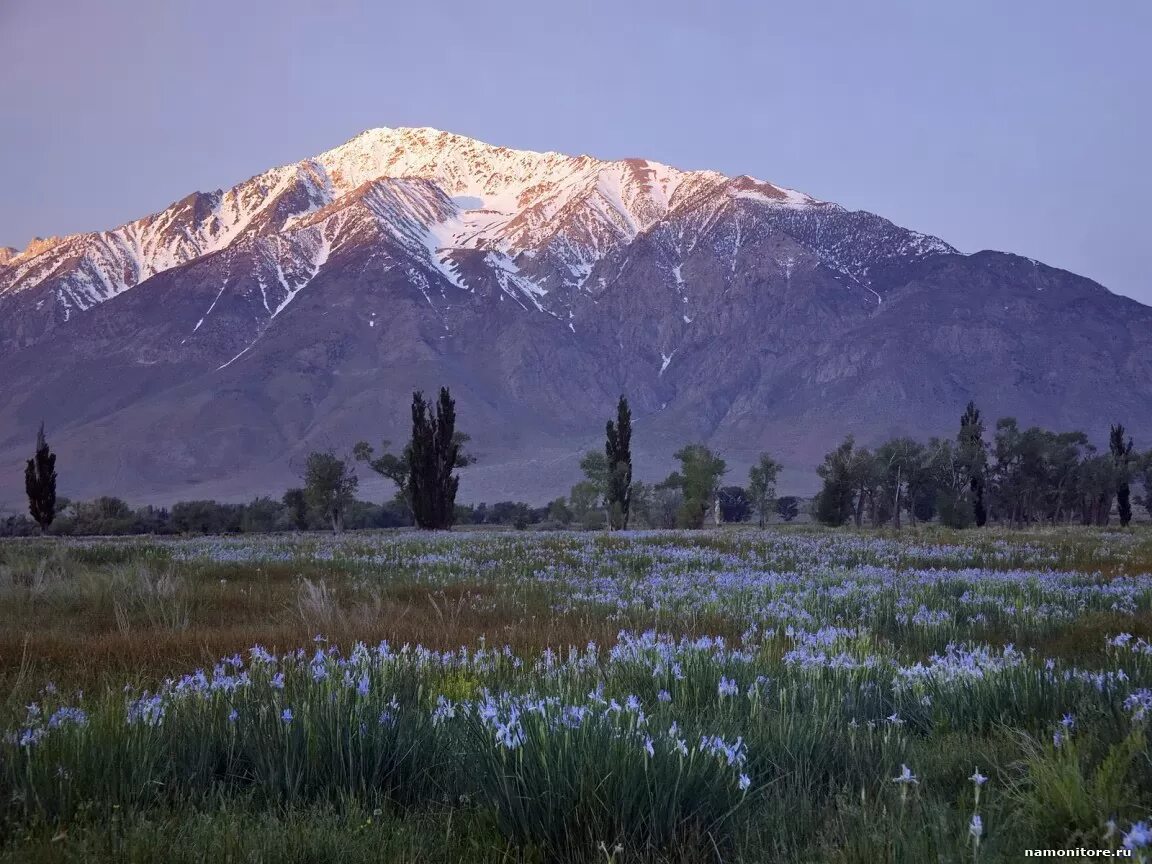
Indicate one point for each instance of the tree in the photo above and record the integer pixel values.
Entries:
(584, 501)
(618, 453)
(262, 515)
(364, 514)
(558, 511)
(433, 455)
(640, 505)
(834, 503)
(1146, 480)
(904, 467)
(973, 455)
(104, 515)
(398, 468)
(515, 513)
(788, 507)
(388, 465)
(762, 486)
(866, 478)
(923, 503)
(329, 486)
(698, 480)
(40, 482)
(1096, 486)
(1057, 476)
(951, 487)
(1122, 463)
(734, 504)
(297, 504)
(423, 471)
(1020, 473)
(955, 509)
(205, 517)
(665, 504)
(1062, 458)
(593, 491)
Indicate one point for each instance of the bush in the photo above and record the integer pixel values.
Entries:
(17, 526)
(593, 520)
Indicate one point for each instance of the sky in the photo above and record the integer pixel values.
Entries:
(1021, 126)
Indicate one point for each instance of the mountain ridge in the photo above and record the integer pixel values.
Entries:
(300, 307)
(99, 265)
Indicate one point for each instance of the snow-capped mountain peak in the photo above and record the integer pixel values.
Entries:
(549, 217)
(202, 350)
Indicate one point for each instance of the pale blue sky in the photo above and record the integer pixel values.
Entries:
(1022, 126)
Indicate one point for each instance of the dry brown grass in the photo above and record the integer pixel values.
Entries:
(100, 626)
(98, 617)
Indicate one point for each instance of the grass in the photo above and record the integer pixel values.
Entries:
(659, 697)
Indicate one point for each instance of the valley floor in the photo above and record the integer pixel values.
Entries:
(791, 695)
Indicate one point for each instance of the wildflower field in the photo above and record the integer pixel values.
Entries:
(796, 695)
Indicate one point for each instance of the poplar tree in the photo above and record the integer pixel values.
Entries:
(1121, 459)
(433, 454)
(618, 449)
(423, 470)
(40, 482)
(974, 457)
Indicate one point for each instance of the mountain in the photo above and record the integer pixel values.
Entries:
(203, 350)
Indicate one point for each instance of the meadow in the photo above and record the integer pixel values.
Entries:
(787, 695)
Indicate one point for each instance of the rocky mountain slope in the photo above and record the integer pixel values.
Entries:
(204, 349)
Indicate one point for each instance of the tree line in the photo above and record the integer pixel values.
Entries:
(424, 473)
(1013, 476)
(114, 516)
(1017, 477)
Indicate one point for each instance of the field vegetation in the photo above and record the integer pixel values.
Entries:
(794, 694)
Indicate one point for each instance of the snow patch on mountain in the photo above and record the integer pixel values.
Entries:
(544, 220)
(318, 247)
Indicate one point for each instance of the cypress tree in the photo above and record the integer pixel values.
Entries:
(422, 472)
(433, 455)
(447, 449)
(974, 456)
(1121, 458)
(420, 463)
(618, 449)
(40, 482)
